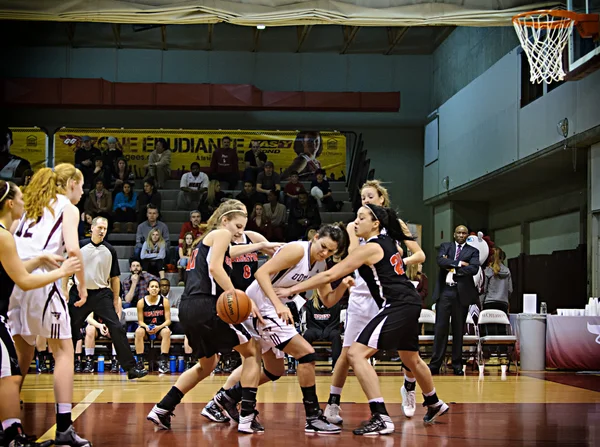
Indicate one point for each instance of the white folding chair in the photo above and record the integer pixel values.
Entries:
(131, 317)
(495, 317)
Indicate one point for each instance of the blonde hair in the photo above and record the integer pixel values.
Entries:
(231, 208)
(45, 185)
(498, 257)
(315, 299)
(381, 190)
(212, 192)
(412, 272)
(160, 242)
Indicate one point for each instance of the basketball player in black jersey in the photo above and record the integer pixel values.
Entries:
(14, 271)
(209, 272)
(396, 326)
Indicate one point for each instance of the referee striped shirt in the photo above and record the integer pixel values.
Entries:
(101, 264)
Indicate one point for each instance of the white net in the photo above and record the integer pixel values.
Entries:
(543, 37)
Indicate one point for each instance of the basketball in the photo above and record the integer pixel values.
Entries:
(233, 306)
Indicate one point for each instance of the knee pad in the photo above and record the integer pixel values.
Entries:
(308, 358)
(272, 377)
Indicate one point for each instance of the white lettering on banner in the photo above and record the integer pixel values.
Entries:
(595, 330)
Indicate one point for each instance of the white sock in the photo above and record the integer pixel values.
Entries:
(114, 351)
(431, 393)
(335, 390)
(409, 379)
(63, 408)
(377, 399)
(9, 422)
(89, 351)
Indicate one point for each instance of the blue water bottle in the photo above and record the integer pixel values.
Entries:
(180, 364)
(151, 336)
(173, 364)
(100, 363)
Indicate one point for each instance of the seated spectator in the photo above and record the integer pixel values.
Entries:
(99, 201)
(136, 286)
(212, 199)
(84, 160)
(153, 254)
(323, 324)
(268, 181)
(185, 253)
(94, 330)
(193, 184)
(12, 168)
(192, 226)
(320, 190)
(102, 172)
(419, 279)
(150, 196)
(497, 288)
(144, 228)
(276, 213)
(124, 209)
(122, 174)
(254, 160)
(292, 189)
(159, 163)
(154, 319)
(259, 223)
(249, 196)
(112, 155)
(303, 216)
(224, 165)
(85, 226)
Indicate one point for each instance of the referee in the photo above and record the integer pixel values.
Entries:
(103, 286)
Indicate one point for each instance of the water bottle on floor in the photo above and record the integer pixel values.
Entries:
(173, 363)
(100, 363)
(180, 364)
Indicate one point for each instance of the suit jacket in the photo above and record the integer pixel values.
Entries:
(463, 276)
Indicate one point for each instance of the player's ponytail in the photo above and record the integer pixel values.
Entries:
(388, 219)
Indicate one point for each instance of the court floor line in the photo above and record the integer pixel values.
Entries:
(75, 413)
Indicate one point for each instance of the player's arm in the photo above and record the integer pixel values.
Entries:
(16, 270)
(91, 320)
(418, 255)
(220, 242)
(71, 238)
(330, 297)
(140, 315)
(167, 322)
(257, 239)
(352, 238)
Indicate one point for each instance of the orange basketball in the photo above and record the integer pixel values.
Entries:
(233, 306)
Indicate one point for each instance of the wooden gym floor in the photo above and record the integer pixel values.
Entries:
(529, 409)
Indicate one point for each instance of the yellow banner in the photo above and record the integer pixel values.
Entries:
(30, 144)
(306, 149)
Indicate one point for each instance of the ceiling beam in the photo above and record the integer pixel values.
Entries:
(302, 32)
(117, 34)
(163, 34)
(350, 33)
(70, 28)
(395, 35)
(442, 35)
(211, 30)
(257, 34)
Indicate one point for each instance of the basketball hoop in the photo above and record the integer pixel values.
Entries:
(544, 35)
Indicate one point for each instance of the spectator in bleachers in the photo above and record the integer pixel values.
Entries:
(192, 226)
(308, 146)
(320, 190)
(144, 228)
(212, 199)
(185, 252)
(99, 201)
(303, 216)
(101, 171)
(84, 159)
(85, 226)
(254, 160)
(12, 168)
(249, 196)
(224, 165)
(268, 180)
(149, 196)
(121, 175)
(323, 324)
(154, 319)
(136, 286)
(292, 189)
(159, 163)
(276, 213)
(153, 253)
(124, 209)
(419, 279)
(193, 184)
(113, 153)
(259, 223)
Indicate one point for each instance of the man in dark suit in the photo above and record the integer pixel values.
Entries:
(454, 291)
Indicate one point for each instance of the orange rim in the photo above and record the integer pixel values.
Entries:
(565, 19)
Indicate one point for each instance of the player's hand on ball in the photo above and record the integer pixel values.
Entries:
(348, 281)
(285, 314)
(256, 313)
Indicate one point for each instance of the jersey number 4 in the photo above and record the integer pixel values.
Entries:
(397, 263)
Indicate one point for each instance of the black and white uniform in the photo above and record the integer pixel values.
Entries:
(207, 334)
(40, 311)
(154, 313)
(277, 332)
(396, 325)
(9, 363)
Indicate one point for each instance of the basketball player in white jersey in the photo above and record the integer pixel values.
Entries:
(14, 271)
(50, 226)
(361, 309)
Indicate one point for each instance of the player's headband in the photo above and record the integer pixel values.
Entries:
(372, 212)
(233, 211)
(5, 192)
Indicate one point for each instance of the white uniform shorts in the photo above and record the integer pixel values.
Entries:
(273, 333)
(361, 310)
(42, 311)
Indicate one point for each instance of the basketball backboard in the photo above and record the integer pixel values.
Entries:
(583, 54)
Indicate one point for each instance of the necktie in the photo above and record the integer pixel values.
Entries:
(458, 250)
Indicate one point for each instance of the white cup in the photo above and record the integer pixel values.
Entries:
(503, 368)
